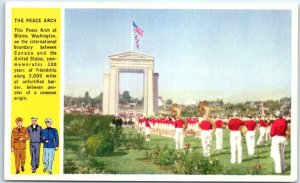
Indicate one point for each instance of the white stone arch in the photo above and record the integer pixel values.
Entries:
(130, 62)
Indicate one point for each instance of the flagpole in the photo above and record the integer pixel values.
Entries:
(131, 41)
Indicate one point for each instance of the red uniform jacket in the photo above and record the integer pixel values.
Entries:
(219, 123)
(263, 123)
(205, 125)
(278, 127)
(147, 124)
(250, 124)
(178, 123)
(234, 124)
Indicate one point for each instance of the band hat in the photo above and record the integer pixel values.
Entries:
(19, 119)
(277, 113)
(34, 118)
(48, 120)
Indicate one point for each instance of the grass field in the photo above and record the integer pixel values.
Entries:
(135, 162)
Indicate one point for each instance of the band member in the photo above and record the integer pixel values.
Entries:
(35, 132)
(180, 126)
(171, 126)
(268, 129)
(141, 121)
(118, 121)
(219, 133)
(206, 136)
(19, 136)
(234, 125)
(278, 132)
(262, 130)
(147, 129)
(51, 142)
(179, 133)
(204, 113)
(197, 129)
(250, 135)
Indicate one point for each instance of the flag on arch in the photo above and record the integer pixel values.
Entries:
(137, 32)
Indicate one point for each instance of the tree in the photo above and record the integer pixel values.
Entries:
(221, 102)
(97, 100)
(101, 96)
(126, 96)
(169, 101)
(87, 98)
(87, 95)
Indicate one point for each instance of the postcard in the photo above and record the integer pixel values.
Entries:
(151, 91)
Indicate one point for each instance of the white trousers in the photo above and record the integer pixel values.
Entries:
(236, 146)
(179, 138)
(206, 142)
(250, 140)
(147, 130)
(277, 152)
(219, 138)
(262, 133)
(268, 129)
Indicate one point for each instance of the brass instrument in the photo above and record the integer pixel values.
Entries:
(176, 113)
(204, 110)
(243, 129)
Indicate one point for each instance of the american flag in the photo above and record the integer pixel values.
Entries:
(136, 41)
(137, 32)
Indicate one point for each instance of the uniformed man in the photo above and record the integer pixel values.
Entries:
(278, 132)
(250, 135)
(180, 126)
(206, 136)
(51, 142)
(263, 124)
(141, 121)
(19, 136)
(219, 133)
(234, 125)
(35, 132)
(179, 133)
(147, 129)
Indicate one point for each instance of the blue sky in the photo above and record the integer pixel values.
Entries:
(236, 55)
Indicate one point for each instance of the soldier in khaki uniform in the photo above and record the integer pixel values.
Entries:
(19, 136)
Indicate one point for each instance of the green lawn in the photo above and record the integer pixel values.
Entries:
(134, 162)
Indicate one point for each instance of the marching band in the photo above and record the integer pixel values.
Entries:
(204, 126)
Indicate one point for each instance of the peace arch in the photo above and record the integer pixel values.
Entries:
(130, 62)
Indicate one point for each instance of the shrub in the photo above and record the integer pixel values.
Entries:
(185, 162)
(97, 124)
(73, 124)
(87, 166)
(69, 166)
(164, 155)
(99, 144)
(86, 126)
(195, 163)
(128, 141)
(133, 141)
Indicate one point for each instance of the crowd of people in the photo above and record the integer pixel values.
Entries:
(274, 128)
